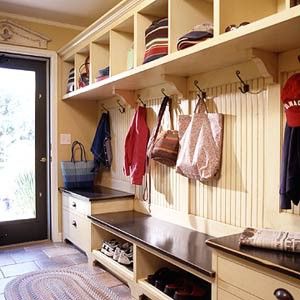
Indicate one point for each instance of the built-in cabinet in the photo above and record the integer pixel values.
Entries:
(273, 33)
(240, 279)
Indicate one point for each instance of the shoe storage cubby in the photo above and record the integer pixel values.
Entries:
(81, 58)
(144, 18)
(99, 50)
(121, 42)
(190, 13)
(99, 236)
(150, 267)
(235, 12)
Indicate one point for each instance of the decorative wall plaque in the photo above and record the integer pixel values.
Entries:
(15, 34)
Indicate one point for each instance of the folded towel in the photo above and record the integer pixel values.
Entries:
(271, 239)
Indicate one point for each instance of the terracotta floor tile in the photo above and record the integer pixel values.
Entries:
(78, 258)
(123, 291)
(108, 279)
(60, 251)
(6, 259)
(19, 269)
(4, 282)
(92, 270)
(28, 256)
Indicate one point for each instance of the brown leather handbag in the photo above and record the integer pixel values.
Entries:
(164, 144)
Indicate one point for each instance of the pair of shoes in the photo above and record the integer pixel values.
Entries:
(108, 247)
(124, 254)
(162, 277)
(192, 292)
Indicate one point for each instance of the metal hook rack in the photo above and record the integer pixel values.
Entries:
(163, 92)
(245, 88)
(142, 102)
(121, 107)
(104, 108)
(203, 93)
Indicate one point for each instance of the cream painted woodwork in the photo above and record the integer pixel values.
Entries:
(146, 261)
(77, 226)
(247, 192)
(239, 279)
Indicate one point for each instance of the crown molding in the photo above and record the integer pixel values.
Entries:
(108, 18)
(41, 21)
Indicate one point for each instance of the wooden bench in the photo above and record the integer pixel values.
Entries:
(156, 244)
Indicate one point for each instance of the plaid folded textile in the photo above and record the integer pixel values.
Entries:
(156, 40)
(271, 239)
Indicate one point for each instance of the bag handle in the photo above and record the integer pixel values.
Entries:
(82, 151)
(200, 104)
(165, 102)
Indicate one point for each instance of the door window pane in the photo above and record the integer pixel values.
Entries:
(17, 144)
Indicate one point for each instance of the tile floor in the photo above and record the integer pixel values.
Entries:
(15, 261)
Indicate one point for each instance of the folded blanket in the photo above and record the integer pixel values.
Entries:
(271, 239)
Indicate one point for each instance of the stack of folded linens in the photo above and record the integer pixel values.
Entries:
(199, 33)
(103, 74)
(271, 239)
(156, 40)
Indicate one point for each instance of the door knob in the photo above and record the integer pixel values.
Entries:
(282, 294)
(43, 159)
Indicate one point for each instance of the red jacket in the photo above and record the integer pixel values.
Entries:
(135, 147)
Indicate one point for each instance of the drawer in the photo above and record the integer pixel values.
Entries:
(255, 282)
(76, 205)
(77, 229)
(223, 295)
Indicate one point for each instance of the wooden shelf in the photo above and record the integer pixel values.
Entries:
(274, 34)
(152, 292)
(114, 266)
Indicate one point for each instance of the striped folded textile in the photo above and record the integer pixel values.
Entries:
(156, 40)
(103, 74)
(199, 33)
(271, 239)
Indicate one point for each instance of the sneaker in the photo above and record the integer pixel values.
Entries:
(108, 247)
(126, 256)
(119, 249)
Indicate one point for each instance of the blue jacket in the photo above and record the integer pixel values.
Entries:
(101, 147)
(290, 168)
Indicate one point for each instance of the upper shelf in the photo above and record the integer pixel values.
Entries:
(274, 34)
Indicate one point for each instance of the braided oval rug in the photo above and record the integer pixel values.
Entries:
(58, 284)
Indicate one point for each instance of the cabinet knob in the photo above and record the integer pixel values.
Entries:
(74, 204)
(74, 223)
(282, 294)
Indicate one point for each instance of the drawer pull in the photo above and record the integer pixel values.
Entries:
(282, 294)
(74, 204)
(74, 223)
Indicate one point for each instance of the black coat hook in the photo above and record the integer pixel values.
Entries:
(299, 58)
(203, 93)
(245, 88)
(163, 92)
(139, 98)
(121, 108)
(104, 108)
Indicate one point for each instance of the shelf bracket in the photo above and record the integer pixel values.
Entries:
(125, 95)
(266, 63)
(178, 85)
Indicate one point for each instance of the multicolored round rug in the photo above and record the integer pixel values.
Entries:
(58, 284)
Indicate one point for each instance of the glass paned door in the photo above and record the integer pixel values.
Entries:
(23, 149)
(17, 144)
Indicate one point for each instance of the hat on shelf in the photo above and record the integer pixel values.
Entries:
(290, 97)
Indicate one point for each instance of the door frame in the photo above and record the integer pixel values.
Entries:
(53, 219)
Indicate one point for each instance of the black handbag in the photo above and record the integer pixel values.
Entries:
(84, 74)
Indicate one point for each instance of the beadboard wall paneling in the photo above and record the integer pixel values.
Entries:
(119, 123)
(168, 189)
(237, 197)
(295, 210)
